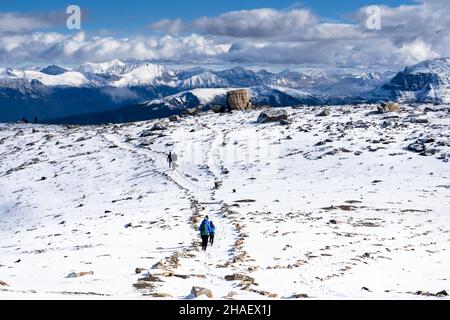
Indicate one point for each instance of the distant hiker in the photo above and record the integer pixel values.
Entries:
(169, 159)
(205, 229)
(212, 232)
(24, 120)
(35, 120)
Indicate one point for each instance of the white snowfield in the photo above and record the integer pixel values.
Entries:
(333, 207)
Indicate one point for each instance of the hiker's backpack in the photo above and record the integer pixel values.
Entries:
(203, 228)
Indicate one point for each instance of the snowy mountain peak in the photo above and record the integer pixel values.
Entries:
(438, 66)
(427, 81)
(142, 74)
(110, 67)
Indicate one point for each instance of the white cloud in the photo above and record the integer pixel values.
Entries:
(11, 22)
(256, 23)
(409, 34)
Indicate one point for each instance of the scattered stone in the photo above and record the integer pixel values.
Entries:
(245, 201)
(365, 289)
(139, 270)
(239, 277)
(198, 291)
(231, 294)
(416, 147)
(193, 111)
(332, 221)
(174, 118)
(419, 120)
(159, 126)
(342, 207)
(386, 107)
(158, 265)
(442, 293)
(217, 109)
(299, 296)
(324, 113)
(272, 116)
(80, 274)
(158, 295)
(151, 278)
(143, 285)
(146, 133)
(3, 284)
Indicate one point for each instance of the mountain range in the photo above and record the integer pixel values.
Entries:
(115, 91)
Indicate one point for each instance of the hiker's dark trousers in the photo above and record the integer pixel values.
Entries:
(204, 242)
(211, 239)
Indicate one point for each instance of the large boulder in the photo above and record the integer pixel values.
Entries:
(386, 107)
(174, 118)
(238, 100)
(272, 116)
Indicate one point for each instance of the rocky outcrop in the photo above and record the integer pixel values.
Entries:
(238, 100)
(272, 116)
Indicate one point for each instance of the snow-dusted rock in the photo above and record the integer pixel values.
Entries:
(386, 107)
(324, 113)
(272, 116)
(199, 291)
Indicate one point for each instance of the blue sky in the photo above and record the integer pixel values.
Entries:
(135, 16)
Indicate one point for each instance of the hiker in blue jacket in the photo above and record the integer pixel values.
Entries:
(212, 232)
(205, 229)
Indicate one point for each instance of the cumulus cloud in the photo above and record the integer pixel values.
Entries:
(256, 23)
(408, 34)
(78, 48)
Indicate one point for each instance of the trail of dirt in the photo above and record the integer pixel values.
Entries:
(191, 260)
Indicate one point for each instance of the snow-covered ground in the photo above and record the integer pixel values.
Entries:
(332, 207)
